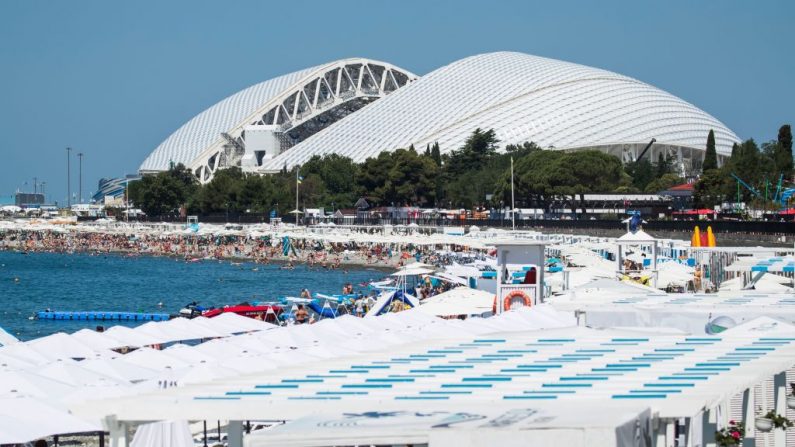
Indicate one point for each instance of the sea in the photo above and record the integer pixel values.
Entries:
(85, 282)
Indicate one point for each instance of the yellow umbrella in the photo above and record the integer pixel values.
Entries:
(695, 241)
(710, 237)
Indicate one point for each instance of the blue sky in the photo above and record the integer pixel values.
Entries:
(113, 79)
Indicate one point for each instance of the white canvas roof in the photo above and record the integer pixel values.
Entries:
(573, 365)
(534, 424)
(25, 419)
(458, 301)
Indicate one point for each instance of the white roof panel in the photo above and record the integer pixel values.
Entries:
(523, 98)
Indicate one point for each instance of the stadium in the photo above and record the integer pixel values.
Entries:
(360, 107)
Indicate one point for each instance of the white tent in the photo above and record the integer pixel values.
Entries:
(244, 324)
(96, 340)
(26, 383)
(458, 301)
(505, 425)
(152, 359)
(166, 433)
(62, 346)
(196, 328)
(24, 419)
(130, 337)
(6, 338)
(73, 373)
(24, 352)
(164, 332)
(119, 370)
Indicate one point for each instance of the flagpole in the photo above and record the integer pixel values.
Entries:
(513, 206)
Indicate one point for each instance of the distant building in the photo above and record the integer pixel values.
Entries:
(28, 200)
(111, 190)
(681, 196)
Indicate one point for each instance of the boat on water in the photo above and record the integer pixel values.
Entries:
(262, 311)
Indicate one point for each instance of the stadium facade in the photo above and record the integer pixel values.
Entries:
(359, 107)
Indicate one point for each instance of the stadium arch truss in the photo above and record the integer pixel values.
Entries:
(294, 106)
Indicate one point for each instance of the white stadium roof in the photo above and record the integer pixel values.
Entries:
(523, 98)
(205, 128)
(203, 133)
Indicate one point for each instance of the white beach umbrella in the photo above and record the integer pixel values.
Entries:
(129, 337)
(62, 346)
(96, 340)
(153, 359)
(163, 332)
(24, 419)
(125, 371)
(73, 373)
(197, 328)
(9, 362)
(23, 352)
(188, 354)
(26, 383)
(244, 324)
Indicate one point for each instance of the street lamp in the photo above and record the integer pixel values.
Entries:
(80, 177)
(69, 177)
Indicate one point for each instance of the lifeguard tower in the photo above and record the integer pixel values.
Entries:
(520, 274)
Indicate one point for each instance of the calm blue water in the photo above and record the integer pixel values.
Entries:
(138, 284)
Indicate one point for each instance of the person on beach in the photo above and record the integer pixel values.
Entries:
(301, 315)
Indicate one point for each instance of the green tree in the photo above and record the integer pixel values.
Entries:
(783, 153)
(544, 175)
(402, 177)
(164, 192)
(436, 154)
(711, 155)
(223, 192)
(339, 176)
(663, 183)
(711, 188)
(642, 172)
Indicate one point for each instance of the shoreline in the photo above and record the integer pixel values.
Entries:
(350, 263)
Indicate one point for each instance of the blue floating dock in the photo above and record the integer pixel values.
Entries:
(101, 316)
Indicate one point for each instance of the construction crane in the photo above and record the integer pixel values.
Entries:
(643, 152)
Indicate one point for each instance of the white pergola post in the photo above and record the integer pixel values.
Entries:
(780, 405)
(234, 434)
(708, 428)
(749, 416)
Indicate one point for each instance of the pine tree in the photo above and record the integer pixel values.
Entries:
(436, 154)
(783, 151)
(428, 150)
(711, 156)
(411, 148)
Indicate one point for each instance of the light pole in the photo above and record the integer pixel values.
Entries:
(69, 177)
(80, 177)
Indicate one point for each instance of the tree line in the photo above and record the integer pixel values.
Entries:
(473, 176)
(761, 168)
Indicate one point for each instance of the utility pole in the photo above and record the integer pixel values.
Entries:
(80, 177)
(35, 185)
(69, 178)
(513, 204)
(42, 191)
